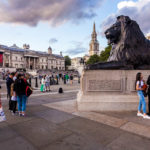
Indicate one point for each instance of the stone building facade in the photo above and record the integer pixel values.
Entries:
(15, 57)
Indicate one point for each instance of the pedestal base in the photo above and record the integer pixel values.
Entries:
(109, 90)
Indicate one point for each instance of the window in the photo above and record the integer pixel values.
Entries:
(21, 58)
(16, 65)
(16, 58)
(21, 65)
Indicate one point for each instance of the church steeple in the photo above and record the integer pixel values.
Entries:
(94, 34)
(94, 45)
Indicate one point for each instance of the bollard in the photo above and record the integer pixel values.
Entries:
(36, 82)
(78, 79)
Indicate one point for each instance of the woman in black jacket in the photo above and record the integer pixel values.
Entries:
(148, 83)
(20, 89)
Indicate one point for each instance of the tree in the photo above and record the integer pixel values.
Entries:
(105, 54)
(67, 61)
(93, 59)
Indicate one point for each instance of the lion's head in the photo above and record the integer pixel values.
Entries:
(128, 42)
(113, 33)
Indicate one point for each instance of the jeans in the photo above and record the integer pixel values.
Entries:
(142, 102)
(21, 102)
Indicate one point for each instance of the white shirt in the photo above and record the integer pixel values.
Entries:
(140, 83)
(43, 81)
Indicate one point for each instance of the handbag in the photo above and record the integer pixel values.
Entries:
(29, 91)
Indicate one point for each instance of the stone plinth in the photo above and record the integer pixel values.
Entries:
(109, 90)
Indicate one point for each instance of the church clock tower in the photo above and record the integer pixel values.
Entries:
(94, 45)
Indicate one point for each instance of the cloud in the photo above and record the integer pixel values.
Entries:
(53, 40)
(77, 49)
(138, 11)
(56, 12)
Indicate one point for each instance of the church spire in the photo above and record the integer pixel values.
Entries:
(94, 45)
(94, 35)
(94, 30)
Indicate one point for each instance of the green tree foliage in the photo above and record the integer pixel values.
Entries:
(93, 59)
(105, 54)
(102, 58)
(67, 61)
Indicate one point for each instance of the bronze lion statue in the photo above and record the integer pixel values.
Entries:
(130, 48)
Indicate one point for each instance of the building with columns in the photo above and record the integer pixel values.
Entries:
(94, 45)
(15, 57)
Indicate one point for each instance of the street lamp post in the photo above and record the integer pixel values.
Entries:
(36, 82)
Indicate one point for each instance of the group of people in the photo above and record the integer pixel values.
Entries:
(17, 92)
(47, 80)
(143, 90)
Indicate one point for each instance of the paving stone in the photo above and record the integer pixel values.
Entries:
(99, 132)
(36, 108)
(66, 106)
(137, 129)
(40, 132)
(75, 142)
(17, 143)
(102, 118)
(10, 119)
(6, 132)
(129, 142)
(55, 115)
(130, 116)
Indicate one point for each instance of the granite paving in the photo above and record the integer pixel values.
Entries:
(53, 122)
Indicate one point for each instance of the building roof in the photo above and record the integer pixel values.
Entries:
(15, 48)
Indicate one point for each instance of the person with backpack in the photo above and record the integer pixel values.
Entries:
(142, 103)
(20, 88)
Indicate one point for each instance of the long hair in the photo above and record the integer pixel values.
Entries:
(138, 78)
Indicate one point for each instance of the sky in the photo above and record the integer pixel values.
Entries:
(65, 25)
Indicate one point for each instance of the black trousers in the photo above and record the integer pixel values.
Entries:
(149, 102)
(9, 98)
(13, 105)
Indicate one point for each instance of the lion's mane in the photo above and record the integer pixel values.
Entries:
(132, 47)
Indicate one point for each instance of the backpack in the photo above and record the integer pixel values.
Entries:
(29, 91)
(60, 90)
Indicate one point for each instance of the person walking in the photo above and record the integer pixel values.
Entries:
(47, 83)
(142, 103)
(71, 79)
(67, 78)
(20, 89)
(148, 92)
(9, 81)
(43, 84)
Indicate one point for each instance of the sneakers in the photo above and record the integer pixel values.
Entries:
(146, 117)
(140, 114)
